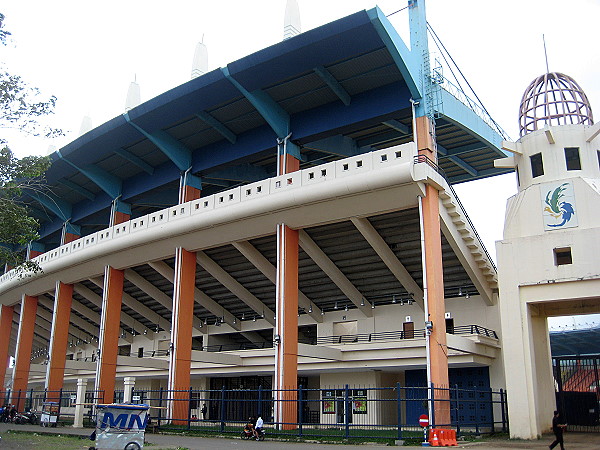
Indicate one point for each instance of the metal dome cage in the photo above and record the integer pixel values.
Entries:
(553, 99)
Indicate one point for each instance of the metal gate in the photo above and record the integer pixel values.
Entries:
(578, 391)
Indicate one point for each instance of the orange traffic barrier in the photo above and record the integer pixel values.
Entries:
(439, 437)
(442, 437)
(452, 438)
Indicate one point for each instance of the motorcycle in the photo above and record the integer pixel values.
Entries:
(26, 417)
(249, 434)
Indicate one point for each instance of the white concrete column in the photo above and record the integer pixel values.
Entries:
(128, 385)
(79, 402)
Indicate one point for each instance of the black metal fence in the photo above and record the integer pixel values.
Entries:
(578, 393)
(340, 412)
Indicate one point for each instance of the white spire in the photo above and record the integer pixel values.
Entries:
(133, 96)
(291, 22)
(86, 125)
(200, 62)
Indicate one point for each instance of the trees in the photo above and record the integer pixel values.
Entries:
(21, 107)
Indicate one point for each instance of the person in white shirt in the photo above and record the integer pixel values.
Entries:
(258, 427)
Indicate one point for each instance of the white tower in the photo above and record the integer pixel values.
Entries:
(86, 125)
(548, 261)
(133, 96)
(200, 62)
(291, 21)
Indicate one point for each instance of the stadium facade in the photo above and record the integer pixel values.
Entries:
(286, 219)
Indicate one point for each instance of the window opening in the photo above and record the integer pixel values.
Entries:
(563, 256)
(537, 165)
(572, 158)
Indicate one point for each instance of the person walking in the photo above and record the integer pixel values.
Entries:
(558, 429)
(203, 411)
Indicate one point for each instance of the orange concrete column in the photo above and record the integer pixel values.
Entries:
(286, 324)
(181, 333)
(70, 237)
(61, 319)
(426, 137)
(110, 322)
(286, 328)
(120, 217)
(33, 253)
(6, 318)
(24, 345)
(189, 193)
(438, 350)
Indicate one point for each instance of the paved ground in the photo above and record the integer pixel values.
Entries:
(573, 441)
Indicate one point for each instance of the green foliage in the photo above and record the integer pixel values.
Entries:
(21, 108)
(17, 227)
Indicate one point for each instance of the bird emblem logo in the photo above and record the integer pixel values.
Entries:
(562, 211)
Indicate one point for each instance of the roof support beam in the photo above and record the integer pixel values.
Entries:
(335, 274)
(87, 194)
(84, 310)
(253, 336)
(204, 300)
(218, 126)
(39, 330)
(235, 287)
(57, 206)
(398, 126)
(132, 303)
(389, 258)
(442, 151)
(333, 84)
(336, 145)
(136, 160)
(277, 118)
(452, 156)
(158, 295)
(178, 153)
(47, 317)
(106, 181)
(270, 271)
(76, 320)
(463, 165)
(243, 172)
(463, 253)
(128, 322)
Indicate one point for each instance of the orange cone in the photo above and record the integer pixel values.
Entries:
(435, 442)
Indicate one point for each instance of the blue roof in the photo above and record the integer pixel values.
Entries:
(347, 81)
(575, 342)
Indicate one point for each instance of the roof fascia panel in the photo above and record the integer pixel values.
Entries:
(199, 94)
(407, 62)
(322, 46)
(465, 118)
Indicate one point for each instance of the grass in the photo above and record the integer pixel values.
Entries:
(323, 434)
(22, 440)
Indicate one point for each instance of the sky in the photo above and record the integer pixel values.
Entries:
(86, 53)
